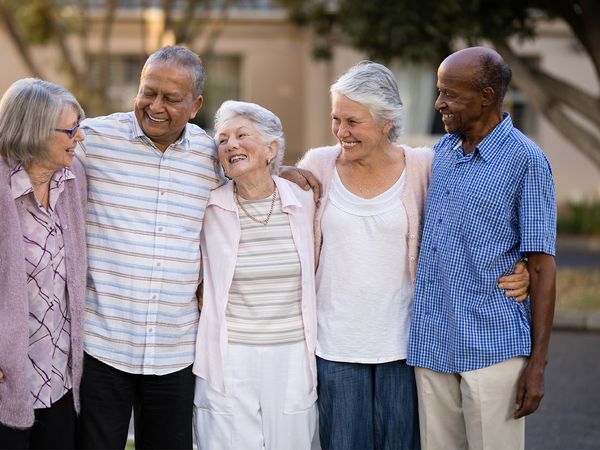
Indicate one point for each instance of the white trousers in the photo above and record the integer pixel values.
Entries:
(471, 410)
(270, 403)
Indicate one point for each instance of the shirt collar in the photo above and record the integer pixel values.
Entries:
(223, 197)
(488, 148)
(138, 132)
(20, 183)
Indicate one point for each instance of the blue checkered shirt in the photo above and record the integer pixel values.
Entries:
(484, 211)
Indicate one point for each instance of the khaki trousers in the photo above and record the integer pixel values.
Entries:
(471, 410)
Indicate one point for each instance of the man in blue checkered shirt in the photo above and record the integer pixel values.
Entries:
(480, 356)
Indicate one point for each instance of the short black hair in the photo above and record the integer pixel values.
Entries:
(495, 73)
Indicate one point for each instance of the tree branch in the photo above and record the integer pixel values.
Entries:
(53, 12)
(550, 106)
(10, 22)
(580, 101)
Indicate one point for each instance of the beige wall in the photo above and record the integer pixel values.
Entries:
(277, 71)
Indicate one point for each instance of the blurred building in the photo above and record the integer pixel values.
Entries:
(259, 56)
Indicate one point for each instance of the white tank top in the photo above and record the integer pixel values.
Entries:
(364, 292)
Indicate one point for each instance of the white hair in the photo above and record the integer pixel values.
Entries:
(268, 125)
(374, 86)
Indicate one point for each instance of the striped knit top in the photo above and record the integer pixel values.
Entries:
(264, 305)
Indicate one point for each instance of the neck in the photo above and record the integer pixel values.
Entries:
(254, 189)
(471, 140)
(39, 176)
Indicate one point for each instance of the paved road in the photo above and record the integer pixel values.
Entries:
(569, 416)
(577, 252)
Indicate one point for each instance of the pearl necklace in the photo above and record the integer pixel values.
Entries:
(250, 216)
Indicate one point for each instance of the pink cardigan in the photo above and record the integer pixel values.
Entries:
(16, 402)
(321, 162)
(220, 240)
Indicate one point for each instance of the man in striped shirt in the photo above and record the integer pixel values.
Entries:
(149, 176)
(480, 356)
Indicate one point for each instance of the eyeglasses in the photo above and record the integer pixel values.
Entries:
(71, 132)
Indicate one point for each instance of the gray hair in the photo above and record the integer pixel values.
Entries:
(180, 57)
(268, 125)
(374, 86)
(30, 109)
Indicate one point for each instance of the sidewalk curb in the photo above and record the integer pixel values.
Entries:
(571, 319)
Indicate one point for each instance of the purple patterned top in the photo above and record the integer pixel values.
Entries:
(49, 319)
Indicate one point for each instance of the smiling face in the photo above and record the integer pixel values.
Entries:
(355, 128)
(242, 150)
(61, 148)
(462, 105)
(165, 102)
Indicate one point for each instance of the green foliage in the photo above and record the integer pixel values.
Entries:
(580, 218)
(34, 17)
(578, 288)
(417, 30)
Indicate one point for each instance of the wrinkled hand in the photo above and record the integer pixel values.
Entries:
(516, 285)
(303, 178)
(1, 377)
(530, 390)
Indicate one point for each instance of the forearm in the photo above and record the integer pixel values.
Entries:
(543, 296)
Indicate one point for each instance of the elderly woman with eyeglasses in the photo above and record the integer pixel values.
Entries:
(255, 364)
(42, 265)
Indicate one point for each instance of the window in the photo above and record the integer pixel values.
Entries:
(222, 83)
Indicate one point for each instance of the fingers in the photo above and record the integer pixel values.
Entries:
(529, 405)
(1, 377)
(313, 183)
(519, 294)
(520, 267)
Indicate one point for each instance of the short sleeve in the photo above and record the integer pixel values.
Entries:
(537, 210)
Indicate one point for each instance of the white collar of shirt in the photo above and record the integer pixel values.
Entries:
(20, 183)
(223, 197)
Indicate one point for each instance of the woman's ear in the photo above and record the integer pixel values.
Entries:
(272, 150)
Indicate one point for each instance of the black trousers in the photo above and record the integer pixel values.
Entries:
(162, 408)
(54, 428)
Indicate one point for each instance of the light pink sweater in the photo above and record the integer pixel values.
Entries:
(321, 162)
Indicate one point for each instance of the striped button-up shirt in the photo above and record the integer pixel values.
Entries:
(145, 213)
(485, 210)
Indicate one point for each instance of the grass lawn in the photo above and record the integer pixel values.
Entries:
(578, 289)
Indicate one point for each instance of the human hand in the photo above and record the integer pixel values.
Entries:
(530, 390)
(516, 285)
(1, 377)
(303, 178)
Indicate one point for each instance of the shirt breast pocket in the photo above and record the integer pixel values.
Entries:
(487, 222)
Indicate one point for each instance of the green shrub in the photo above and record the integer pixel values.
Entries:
(580, 218)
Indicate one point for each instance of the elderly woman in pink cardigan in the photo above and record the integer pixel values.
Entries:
(367, 233)
(42, 265)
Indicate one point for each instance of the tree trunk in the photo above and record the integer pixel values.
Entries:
(546, 100)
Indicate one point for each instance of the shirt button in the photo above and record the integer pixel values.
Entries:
(154, 297)
(412, 236)
(447, 192)
(160, 228)
(158, 264)
(150, 330)
(162, 193)
(412, 258)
